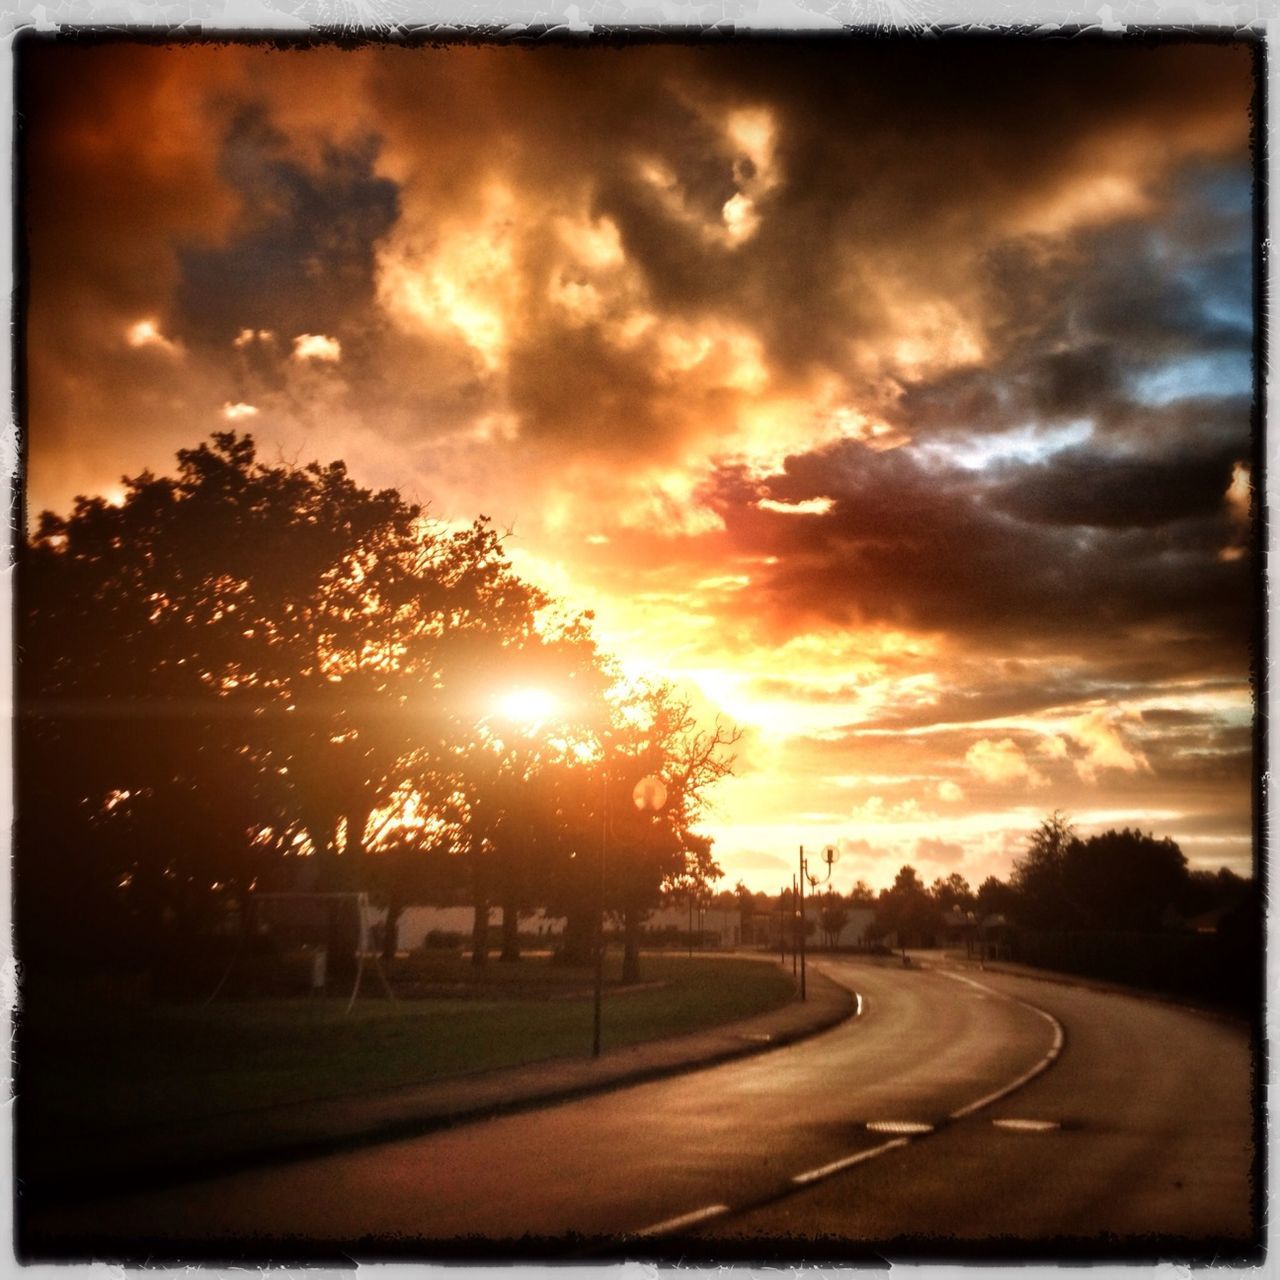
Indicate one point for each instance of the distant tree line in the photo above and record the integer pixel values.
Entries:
(248, 676)
(1122, 904)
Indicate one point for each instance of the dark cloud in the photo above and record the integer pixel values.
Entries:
(1077, 334)
(302, 259)
(1023, 555)
(1118, 491)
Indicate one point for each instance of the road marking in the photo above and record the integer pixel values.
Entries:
(1028, 1126)
(835, 1166)
(899, 1126)
(685, 1220)
(1042, 1065)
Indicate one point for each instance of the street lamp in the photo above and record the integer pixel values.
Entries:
(649, 795)
(830, 855)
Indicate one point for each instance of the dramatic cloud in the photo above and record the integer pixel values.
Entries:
(910, 430)
(1099, 734)
(1002, 761)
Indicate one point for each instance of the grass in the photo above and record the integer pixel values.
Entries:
(88, 1068)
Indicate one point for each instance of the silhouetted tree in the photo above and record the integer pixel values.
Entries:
(653, 732)
(246, 666)
(862, 895)
(833, 916)
(1039, 876)
(239, 658)
(953, 892)
(907, 909)
(1124, 880)
(994, 897)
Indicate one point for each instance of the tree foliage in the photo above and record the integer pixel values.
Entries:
(250, 673)
(907, 909)
(833, 915)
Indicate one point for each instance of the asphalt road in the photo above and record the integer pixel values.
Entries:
(882, 1131)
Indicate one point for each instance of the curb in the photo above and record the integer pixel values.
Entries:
(158, 1174)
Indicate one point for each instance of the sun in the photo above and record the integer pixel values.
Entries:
(528, 706)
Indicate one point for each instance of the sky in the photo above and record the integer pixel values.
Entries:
(893, 397)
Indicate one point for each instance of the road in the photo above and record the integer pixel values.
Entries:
(1132, 1120)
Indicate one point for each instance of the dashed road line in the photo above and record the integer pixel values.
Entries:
(1043, 1065)
(904, 1127)
(814, 1175)
(684, 1220)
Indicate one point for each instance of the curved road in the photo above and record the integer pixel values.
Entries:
(1132, 1120)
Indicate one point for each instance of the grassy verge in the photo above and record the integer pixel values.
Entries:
(87, 1069)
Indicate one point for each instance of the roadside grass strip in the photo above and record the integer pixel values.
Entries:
(1043, 1065)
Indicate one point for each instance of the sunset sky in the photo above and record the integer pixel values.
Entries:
(893, 397)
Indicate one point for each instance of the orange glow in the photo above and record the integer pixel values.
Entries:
(528, 707)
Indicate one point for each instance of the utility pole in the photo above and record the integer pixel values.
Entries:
(804, 995)
(829, 855)
(795, 950)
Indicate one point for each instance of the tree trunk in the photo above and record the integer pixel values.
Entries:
(631, 946)
(510, 933)
(390, 928)
(480, 901)
(480, 933)
(576, 945)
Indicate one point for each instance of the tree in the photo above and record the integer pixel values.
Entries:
(953, 893)
(296, 672)
(1038, 876)
(907, 909)
(1124, 880)
(994, 897)
(862, 895)
(268, 653)
(652, 731)
(832, 916)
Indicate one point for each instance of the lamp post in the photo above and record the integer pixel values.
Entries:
(795, 930)
(829, 855)
(649, 796)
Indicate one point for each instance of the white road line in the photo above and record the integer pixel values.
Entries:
(857, 1158)
(899, 1126)
(1042, 1065)
(685, 1220)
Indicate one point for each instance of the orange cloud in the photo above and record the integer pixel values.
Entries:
(1002, 762)
(1105, 748)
